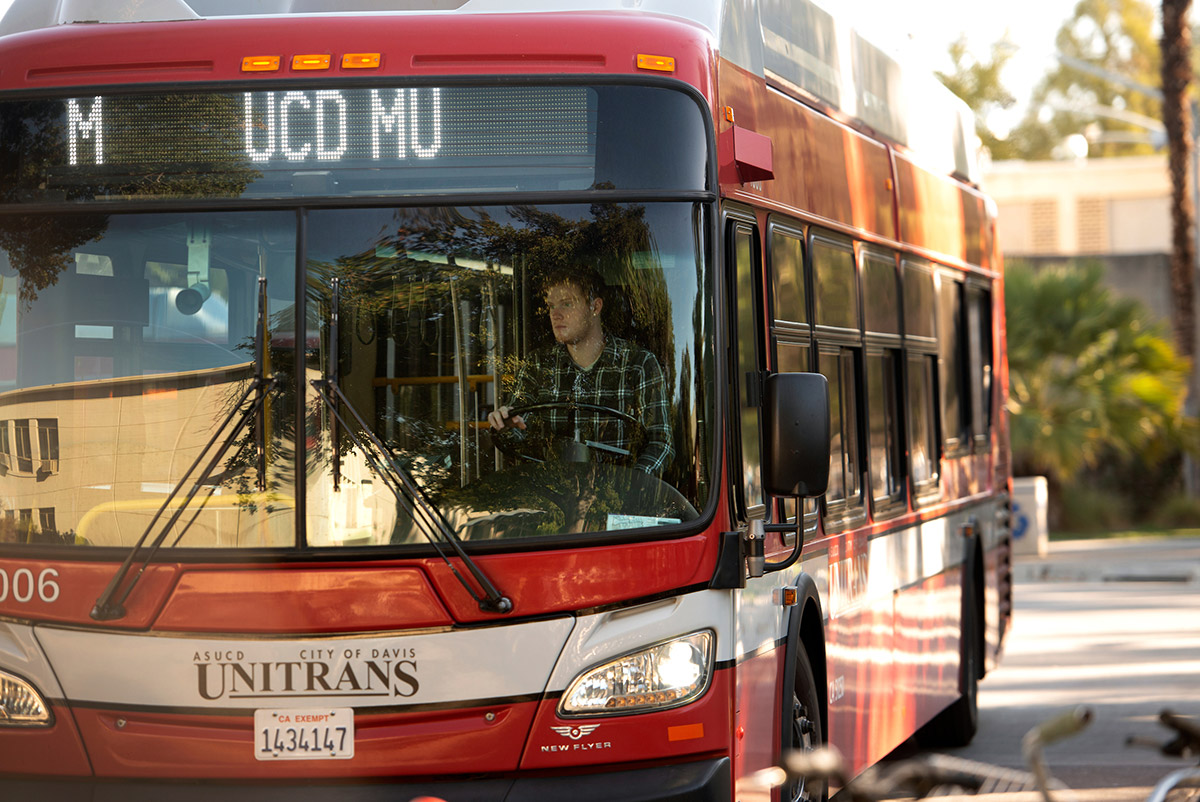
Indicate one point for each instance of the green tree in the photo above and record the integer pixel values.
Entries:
(1090, 375)
(978, 84)
(1111, 58)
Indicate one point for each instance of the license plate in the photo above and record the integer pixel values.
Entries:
(322, 733)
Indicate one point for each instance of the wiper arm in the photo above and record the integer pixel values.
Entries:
(408, 494)
(109, 606)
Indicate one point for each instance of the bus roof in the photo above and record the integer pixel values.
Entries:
(797, 44)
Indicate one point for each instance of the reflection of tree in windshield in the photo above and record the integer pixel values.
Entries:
(143, 145)
(141, 160)
(38, 247)
(617, 242)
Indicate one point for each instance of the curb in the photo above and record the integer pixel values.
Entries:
(1153, 560)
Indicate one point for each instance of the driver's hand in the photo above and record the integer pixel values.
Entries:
(499, 419)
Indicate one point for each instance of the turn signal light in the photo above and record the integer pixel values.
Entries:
(260, 64)
(659, 63)
(360, 61)
(310, 62)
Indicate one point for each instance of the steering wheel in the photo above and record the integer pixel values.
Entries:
(572, 448)
(570, 405)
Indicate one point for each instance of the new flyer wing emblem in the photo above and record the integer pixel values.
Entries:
(575, 733)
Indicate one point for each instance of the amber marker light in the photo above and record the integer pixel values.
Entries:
(657, 63)
(360, 61)
(260, 64)
(310, 62)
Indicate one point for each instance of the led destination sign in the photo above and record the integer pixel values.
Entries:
(379, 140)
(328, 125)
(300, 141)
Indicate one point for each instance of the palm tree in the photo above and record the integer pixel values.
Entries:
(1176, 75)
(1090, 374)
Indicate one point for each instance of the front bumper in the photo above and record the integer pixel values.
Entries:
(701, 781)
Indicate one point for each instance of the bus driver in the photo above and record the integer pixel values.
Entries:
(589, 366)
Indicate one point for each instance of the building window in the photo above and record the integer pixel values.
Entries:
(1044, 225)
(23, 442)
(47, 432)
(1092, 225)
(46, 521)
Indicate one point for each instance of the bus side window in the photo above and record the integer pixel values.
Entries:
(920, 376)
(791, 335)
(839, 358)
(744, 256)
(956, 409)
(979, 355)
(885, 436)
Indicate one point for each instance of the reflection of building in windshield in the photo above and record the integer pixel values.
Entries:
(96, 460)
(116, 375)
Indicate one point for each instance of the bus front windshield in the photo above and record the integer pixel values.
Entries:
(519, 371)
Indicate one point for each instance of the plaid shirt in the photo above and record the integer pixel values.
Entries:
(624, 377)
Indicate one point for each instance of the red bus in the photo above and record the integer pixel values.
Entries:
(282, 280)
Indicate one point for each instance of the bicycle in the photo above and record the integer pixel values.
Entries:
(1181, 785)
(933, 774)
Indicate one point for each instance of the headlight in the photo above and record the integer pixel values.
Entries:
(665, 675)
(20, 703)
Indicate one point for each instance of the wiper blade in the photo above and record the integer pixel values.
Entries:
(109, 606)
(408, 494)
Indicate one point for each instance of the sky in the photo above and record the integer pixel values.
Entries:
(929, 26)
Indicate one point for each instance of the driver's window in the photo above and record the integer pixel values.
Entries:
(532, 371)
(744, 256)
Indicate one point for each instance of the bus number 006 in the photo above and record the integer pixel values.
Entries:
(22, 586)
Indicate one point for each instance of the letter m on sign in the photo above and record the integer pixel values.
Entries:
(85, 127)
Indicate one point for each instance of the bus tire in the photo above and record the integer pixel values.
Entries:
(957, 724)
(806, 729)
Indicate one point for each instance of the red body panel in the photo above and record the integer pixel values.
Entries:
(57, 751)
(821, 166)
(360, 597)
(317, 600)
(62, 591)
(212, 50)
(943, 215)
(759, 710)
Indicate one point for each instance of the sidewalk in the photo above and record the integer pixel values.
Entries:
(1168, 559)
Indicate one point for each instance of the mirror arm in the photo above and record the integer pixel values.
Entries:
(798, 547)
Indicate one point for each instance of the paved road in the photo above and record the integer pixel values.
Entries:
(1111, 624)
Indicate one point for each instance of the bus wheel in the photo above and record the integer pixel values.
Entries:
(806, 731)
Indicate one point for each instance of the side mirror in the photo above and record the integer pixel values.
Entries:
(795, 420)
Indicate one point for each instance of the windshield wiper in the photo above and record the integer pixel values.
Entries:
(111, 606)
(408, 494)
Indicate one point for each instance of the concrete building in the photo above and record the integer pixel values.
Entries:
(1115, 211)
